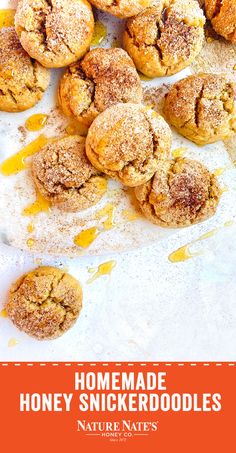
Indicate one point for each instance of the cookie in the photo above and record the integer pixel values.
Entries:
(103, 78)
(45, 303)
(65, 177)
(202, 108)
(165, 39)
(22, 80)
(126, 142)
(222, 15)
(181, 193)
(57, 32)
(123, 8)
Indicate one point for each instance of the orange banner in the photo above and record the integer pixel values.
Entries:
(166, 407)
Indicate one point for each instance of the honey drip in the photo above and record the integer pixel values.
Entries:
(184, 253)
(30, 243)
(131, 216)
(16, 163)
(100, 33)
(103, 269)
(86, 237)
(101, 184)
(179, 152)
(12, 342)
(75, 128)
(229, 223)
(7, 17)
(221, 171)
(3, 313)
(30, 228)
(36, 122)
(40, 205)
(108, 214)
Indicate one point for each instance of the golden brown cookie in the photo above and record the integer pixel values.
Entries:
(126, 141)
(103, 78)
(123, 8)
(45, 303)
(222, 14)
(165, 39)
(22, 80)
(65, 177)
(202, 107)
(57, 32)
(182, 192)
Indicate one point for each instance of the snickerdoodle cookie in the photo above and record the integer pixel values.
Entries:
(103, 78)
(165, 39)
(22, 80)
(55, 32)
(123, 8)
(182, 192)
(65, 177)
(202, 107)
(126, 141)
(45, 303)
(222, 14)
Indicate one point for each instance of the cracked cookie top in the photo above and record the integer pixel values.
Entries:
(222, 14)
(55, 32)
(123, 8)
(103, 78)
(65, 177)
(202, 108)
(166, 38)
(126, 142)
(22, 79)
(45, 303)
(181, 193)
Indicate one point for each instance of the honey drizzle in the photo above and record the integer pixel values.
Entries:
(30, 228)
(30, 243)
(179, 152)
(184, 253)
(7, 17)
(103, 269)
(39, 205)
(75, 128)
(3, 313)
(36, 122)
(100, 33)
(130, 216)
(86, 237)
(16, 163)
(108, 213)
(12, 342)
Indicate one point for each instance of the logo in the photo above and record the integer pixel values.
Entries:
(117, 430)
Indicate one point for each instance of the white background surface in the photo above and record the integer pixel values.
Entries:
(148, 309)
